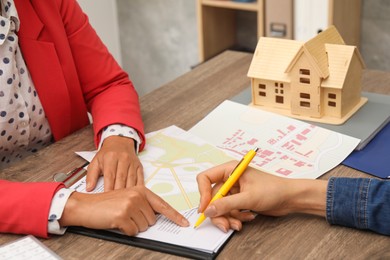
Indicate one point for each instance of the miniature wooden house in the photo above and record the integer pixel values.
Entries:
(319, 80)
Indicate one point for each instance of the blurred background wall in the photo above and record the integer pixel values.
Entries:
(156, 40)
(103, 15)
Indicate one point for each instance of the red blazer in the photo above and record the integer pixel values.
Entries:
(73, 73)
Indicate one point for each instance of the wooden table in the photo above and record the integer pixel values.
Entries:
(183, 102)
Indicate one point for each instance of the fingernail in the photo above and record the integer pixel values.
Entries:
(185, 222)
(222, 228)
(211, 211)
(235, 227)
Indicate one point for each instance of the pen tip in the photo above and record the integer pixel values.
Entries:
(256, 149)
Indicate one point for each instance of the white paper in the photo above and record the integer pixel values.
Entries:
(287, 147)
(205, 238)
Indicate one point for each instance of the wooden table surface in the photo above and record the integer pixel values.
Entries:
(183, 102)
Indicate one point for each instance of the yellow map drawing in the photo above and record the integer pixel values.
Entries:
(172, 159)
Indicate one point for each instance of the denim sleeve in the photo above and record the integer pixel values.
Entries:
(362, 203)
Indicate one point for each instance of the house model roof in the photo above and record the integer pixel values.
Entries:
(274, 57)
(339, 59)
(317, 50)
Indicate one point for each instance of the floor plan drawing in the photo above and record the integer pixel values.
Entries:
(287, 147)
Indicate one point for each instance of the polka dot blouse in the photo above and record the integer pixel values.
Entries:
(23, 126)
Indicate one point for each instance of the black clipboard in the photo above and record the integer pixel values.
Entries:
(147, 243)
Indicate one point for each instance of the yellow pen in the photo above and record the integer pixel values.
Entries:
(233, 178)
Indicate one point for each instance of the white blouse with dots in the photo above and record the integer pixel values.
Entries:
(24, 127)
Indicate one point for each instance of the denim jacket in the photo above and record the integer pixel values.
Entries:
(362, 203)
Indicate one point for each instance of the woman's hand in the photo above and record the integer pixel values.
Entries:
(118, 162)
(131, 210)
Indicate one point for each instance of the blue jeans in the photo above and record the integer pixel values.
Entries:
(362, 203)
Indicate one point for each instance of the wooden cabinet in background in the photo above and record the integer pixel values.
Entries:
(217, 22)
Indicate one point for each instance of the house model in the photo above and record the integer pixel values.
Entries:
(318, 80)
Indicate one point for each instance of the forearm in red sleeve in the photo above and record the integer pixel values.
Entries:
(108, 92)
(25, 206)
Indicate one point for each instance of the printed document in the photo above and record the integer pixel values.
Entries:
(171, 160)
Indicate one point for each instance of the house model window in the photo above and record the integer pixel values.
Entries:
(318, 80)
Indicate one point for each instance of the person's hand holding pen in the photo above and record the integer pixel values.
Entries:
(257, 192)
(234, 176)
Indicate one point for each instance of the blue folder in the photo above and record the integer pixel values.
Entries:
(374, 159)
